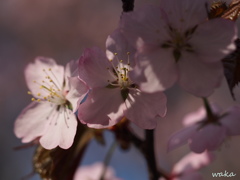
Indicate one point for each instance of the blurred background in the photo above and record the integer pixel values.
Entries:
(61, 29)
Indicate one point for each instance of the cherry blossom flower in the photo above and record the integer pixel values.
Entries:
(176, 42)
(204, 132)
(94, 172)
(56, 95)
(114, 87)
(187, 168)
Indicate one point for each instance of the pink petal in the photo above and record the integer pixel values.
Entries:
(77, 92)
(194, 117)
(190, 176)
(197, 77)
(35, 75)
(145, 23)
(103, 108)
(181, 137)
(61, 130)
(210, 137)
(232, 121)
(214, 39)
(143, 108)
(192, 162)
(71, 70)
(93, 66)
(117, 43)
(94, 172)
(184, 14)
(32, 122)
(199, 115)
(159, 71)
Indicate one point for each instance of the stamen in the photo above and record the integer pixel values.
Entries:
(48, 77)
(128, 59)
(65, 112)
(52, 110)
(56, 119)
(55, 78)
(116, 85)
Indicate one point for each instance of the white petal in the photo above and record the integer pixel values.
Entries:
(32, 122)
(61, 131)
(36, 73)
(77, 92)
(71, 70)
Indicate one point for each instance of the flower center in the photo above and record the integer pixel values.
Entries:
(50, 89)
(120, 73)
(179, 41)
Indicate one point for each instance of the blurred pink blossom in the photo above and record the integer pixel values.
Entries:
(203, 133)
(115, 93)
(94, 172)
(56, 95)
(187, 168)
(176, 42)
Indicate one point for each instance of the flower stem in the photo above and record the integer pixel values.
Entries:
(108, 158)
(146, 147)
(149, 154)
(210, 114)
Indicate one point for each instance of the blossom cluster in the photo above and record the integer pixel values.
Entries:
(152, 49)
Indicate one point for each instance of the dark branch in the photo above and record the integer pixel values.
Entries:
(128, 5)
(149, 154)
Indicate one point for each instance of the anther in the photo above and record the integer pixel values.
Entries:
(115, 54)
(33, 99)
(29, 92)
(49, 69)
(39, 94)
